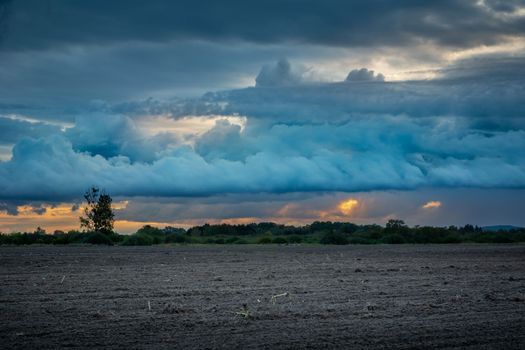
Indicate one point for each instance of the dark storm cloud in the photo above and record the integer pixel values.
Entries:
(12, 130)
(363, 74)
(46, 24)
(490, 89)
(504, 6)
(279, 74)
(488, 69)
(5, 9)
(61, 84)
(9, 207)
(58, 56)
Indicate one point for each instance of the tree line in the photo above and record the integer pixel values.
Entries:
(318, 232)
(98, 220)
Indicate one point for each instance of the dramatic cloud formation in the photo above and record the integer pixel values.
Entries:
(172, 103)
(361, 153)
(300, 138)
(57, 57)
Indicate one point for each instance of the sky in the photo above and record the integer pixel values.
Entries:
(189, 112)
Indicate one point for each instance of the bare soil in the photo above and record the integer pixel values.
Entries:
(348, 297)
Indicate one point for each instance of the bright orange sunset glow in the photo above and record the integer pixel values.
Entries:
(348, 206)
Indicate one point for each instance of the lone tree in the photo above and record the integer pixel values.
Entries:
(98, 215)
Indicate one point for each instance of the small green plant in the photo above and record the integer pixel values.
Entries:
(244, 312)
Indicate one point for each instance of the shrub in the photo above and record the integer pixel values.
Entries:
(361, 240)
(279, 240)
(334, 238)
(177, 238)
(451, 238)
(393, 239)
(264, 240)
(232, 240)
(138, 239)
(156, 234)
(501, 237)
(97, 238)
(295, 239)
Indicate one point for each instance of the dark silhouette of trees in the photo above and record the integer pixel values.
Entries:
(98, 214)
(395, 225)
(99, 218)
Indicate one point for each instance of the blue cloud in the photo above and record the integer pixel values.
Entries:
(113, 135)
(302, 138)
(363, 154)
(13, 128)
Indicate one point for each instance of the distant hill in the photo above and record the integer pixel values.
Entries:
(496, 228)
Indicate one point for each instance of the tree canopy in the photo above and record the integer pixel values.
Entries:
(98, 214)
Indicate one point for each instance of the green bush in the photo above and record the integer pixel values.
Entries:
(157, 235)
(138, 239)
(393, 239)
(232, 240)
(501, 238)
(97, 238)
(295, 239)
(361, 240)
(334, 238)
(280, 240)
(264, 240)
(451, 238)
(177, 238)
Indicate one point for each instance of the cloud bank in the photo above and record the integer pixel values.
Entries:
(36, 24)
(297, 136)
(361, 154)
